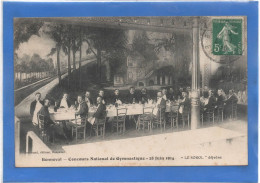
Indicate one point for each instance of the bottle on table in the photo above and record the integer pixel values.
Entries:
(55, 106)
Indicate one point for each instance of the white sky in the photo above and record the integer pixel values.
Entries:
(42, 46)
(36, 44)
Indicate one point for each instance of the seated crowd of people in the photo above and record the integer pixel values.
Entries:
(213, 101)
(208, 101)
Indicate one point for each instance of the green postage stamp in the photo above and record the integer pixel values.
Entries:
(227, 36)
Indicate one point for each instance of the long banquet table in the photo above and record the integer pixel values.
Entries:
(132, 109)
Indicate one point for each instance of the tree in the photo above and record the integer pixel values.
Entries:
(167, 43)
(76, 43)
(55, 32)
(35, 64)
(66, 47)
(109, 41)
(50, 65)
(142, 45)
(24, 29)
(80, 55)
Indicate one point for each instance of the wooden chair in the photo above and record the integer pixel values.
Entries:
(173, 116)
(184, 117)
(119, 122)
(145, 120)
(220, 112)
(79, 128)
(99, 127)
(211, 114)
(42, 130)
(159, 121)
(202, 114)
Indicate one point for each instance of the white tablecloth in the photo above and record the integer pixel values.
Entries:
(132, 109)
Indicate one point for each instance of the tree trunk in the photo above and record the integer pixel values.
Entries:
(80, 55)
(73, 55)
(58, 64)
(74, 60)
(99, 64)
(69, 67)
(108, 70)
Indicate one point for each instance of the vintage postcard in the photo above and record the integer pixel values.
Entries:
(130, 91)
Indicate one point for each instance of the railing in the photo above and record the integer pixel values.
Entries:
(35, 144)
(17, 135)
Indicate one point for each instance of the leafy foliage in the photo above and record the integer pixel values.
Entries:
(141, 44)
(24, 29)
(110, 43)
(55, 32)
(35, 63)
(105, 39)
(167, 43)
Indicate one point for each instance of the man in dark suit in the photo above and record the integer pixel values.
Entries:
(179, 94)
(211, 101)
(171, 94)
(231, 99)
(45, 112)
(220, 98)
(49, 126)
(132, 96)
(33, 104)
(35, 107)
(184, 105)
(116, 99)
(100, 113)
(82, 108)
(101, 94)
(144, 96)
(88, 99)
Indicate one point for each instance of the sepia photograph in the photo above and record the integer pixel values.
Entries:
(130, 91)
